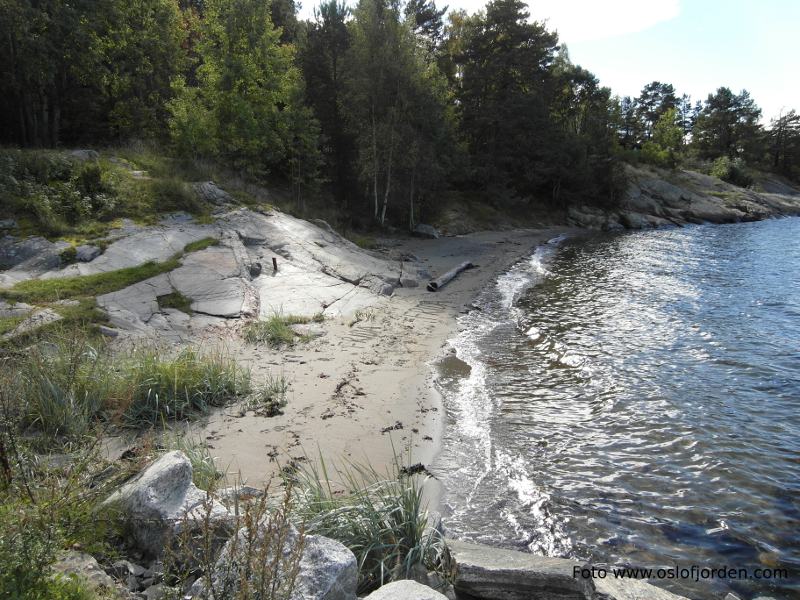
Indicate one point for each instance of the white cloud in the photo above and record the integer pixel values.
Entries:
(584, 20)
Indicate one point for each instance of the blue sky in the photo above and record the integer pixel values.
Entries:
(696, 45)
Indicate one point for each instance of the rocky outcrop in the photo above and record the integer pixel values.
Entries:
(498, 574)
(657, 198)
(161, 502)
(211, 192)
(405, 590)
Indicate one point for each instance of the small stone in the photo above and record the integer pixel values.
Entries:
(426, 231)
(255, 270)
(108, 331)
(86, 253)
(155, 592)
(731, 596)
(8, 223)
(408, 282)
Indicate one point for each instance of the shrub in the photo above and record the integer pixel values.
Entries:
(173, 194)
(382, 519)
(261, 561)
(732, 170)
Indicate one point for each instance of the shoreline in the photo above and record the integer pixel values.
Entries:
(364, 390)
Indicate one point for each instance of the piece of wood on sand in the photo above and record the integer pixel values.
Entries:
(442, 280)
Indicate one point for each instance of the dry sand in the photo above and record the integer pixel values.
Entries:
(363, 391)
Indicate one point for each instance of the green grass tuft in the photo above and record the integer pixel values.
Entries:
(50, 290)
(200, 245)
(276, 330)
(175, 300)
(381, 518)
(204, 471)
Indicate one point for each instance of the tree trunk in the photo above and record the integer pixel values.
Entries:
(411, 205)
(374, 162)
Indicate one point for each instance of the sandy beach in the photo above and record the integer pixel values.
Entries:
(363, 390)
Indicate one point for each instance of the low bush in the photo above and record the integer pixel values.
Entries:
(733, 171)
(381, 518)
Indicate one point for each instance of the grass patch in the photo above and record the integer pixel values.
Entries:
(270, 398)
(381, 518)
(276, 330)
(175, 300)
(200, 245)
(204, 471)
(177, 387)
(9, 324)
(67, 384)
(50, 290)
(367, 242)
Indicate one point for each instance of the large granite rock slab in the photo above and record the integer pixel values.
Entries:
(216, 282)
(498, 574)
(405, 590)
(161, 501)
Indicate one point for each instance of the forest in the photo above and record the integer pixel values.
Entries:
(380, 108)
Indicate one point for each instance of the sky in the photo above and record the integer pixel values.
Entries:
(696, 45)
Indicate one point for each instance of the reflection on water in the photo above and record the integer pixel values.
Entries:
(633, 399)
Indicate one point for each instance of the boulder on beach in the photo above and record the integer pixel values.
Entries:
(162, 502)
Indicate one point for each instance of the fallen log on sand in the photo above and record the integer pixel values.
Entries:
(442, 280)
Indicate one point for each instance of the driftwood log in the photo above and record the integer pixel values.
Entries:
(442, 280)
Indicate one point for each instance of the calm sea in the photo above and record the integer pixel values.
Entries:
(634, 399)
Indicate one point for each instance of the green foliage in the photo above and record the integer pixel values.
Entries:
(67, 383)
(172, 194)
(175, 387)
(728, 126)
(202, 244)
(732, 170)
(245, 107)
(381, 518)
(50, 290)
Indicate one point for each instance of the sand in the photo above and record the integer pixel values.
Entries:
(363, 391)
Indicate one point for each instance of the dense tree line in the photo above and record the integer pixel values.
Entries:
(386, 104)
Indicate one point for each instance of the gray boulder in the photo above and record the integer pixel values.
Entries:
(161, 501)
(405, 590)
(498, 574)
(426, 231)
(86, 253)
(327, 569)
(8, 223)
(84, 155)
(86, 568)
(211, 192)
